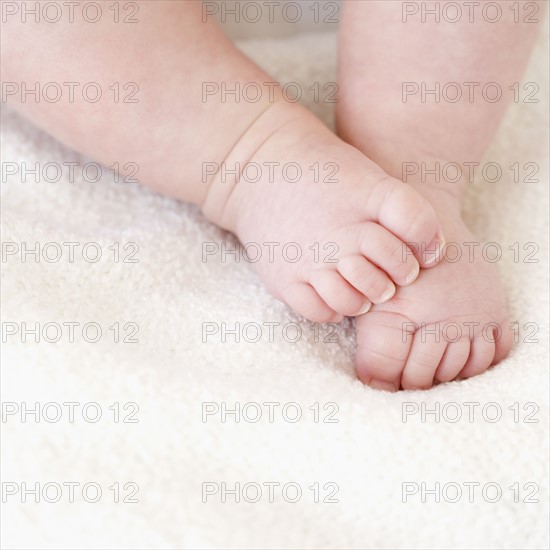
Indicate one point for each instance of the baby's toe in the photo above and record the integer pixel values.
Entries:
(412, 218)
(382, 349)
(366, 278)
(453, 360)
(482, 353)
(338, 294)
(426, 352)
(504, 342)
(305, 301)
(389, 253)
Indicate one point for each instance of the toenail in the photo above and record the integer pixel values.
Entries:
(435, 249)
(365, 308)
(381, 385)
(413, 274)
(388, 293)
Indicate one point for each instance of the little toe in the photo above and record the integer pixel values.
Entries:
(504, 342)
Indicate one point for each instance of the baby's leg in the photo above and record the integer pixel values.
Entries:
(164, 126)
(387, 52)
(389, 61)
(194, 147)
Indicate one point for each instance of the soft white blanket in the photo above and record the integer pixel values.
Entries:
(170, 452)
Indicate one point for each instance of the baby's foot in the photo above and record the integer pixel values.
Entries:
(453, 322)
(336, 232)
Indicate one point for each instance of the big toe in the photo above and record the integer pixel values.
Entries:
(412, 218)
(383, 345)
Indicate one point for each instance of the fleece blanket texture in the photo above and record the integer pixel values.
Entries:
(164, 454)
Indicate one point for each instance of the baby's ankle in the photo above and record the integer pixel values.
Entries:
(436, 175)
(423, 169)
(225, 177)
